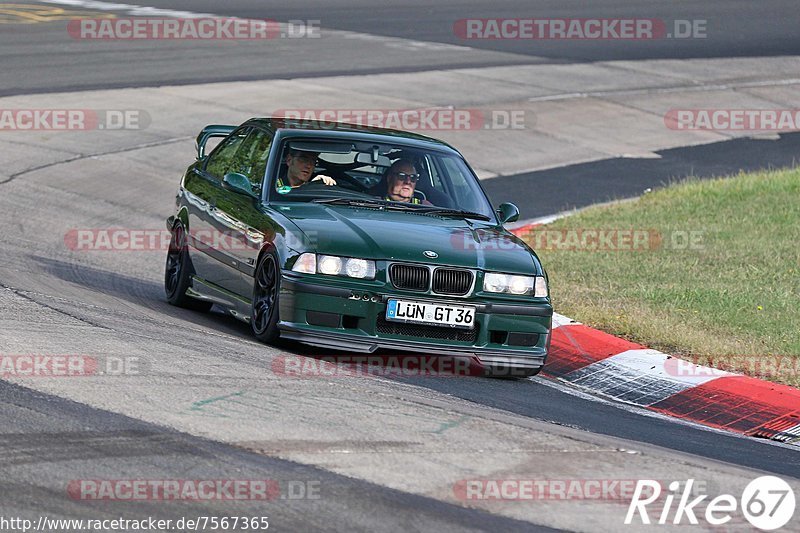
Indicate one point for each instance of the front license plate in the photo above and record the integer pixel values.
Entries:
(456, 316)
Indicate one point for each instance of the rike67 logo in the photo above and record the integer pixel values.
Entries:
(767, 502)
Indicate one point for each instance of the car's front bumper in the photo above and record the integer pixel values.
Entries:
(332, 317)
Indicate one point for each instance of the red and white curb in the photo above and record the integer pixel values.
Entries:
(631, 373)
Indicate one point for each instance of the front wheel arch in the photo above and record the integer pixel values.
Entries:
(264, 302)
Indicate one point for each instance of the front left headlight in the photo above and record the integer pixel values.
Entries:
(332, 265)
(517, 285)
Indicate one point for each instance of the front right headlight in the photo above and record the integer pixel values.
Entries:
(517, 285)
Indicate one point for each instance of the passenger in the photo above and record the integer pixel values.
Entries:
(300, 167)
(401, 182)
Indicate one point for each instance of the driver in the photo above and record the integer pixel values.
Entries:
(401, 182)
(299, 169)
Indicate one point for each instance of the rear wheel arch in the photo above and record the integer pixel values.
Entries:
(178, 271)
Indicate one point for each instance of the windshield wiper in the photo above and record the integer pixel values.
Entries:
(348, 201)
(442, 211)
(366, 202)
(401, 206)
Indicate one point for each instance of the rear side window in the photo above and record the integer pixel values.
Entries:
(222, 159)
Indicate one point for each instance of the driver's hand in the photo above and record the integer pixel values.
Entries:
(327, 180)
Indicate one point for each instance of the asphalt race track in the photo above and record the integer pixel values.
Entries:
(742, 29)
(205, 401)
(583, 184)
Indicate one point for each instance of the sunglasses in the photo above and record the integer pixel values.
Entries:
(402, 176)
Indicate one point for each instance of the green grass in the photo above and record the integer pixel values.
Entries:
(735, 295)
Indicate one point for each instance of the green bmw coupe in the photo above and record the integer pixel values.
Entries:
(356, 238)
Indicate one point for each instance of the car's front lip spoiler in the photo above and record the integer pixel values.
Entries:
(357, 343)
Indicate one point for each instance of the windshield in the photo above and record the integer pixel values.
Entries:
(394, 175)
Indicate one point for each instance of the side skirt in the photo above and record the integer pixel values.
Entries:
(234, 304)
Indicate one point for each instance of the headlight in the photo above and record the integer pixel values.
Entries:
(541, 290)
(359, 268)
(516, 285)
(495, 282)
(520, 284)
(306, 263)
(332, 265)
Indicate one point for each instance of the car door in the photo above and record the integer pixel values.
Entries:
(204, 187)
(241, 217)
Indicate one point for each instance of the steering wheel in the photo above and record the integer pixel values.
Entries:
(350, 180)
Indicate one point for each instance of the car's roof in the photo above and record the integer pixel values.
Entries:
(304, 128)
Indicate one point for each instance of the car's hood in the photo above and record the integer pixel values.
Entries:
(401, 236)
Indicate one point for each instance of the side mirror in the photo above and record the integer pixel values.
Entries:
(508, 213)
(238, 183)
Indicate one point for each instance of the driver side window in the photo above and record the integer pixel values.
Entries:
(251, 159)
(256, 150)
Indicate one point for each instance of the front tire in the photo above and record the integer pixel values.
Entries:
(264, 308)
(178, 273)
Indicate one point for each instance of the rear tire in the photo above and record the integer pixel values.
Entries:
(178, 273)
(264, 307)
